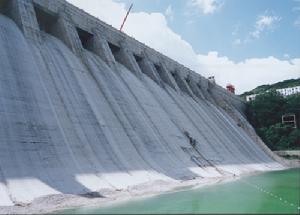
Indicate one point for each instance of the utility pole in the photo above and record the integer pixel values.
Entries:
(126, 16)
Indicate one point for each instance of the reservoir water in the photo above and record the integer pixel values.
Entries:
(271, 192)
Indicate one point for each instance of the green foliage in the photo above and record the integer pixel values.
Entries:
(265, 113)
(279, 85)
(293, 104)
(285, 84)
(266, 109)
(257, 90)
(280, 137)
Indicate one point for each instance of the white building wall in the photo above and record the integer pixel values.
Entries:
(250, 97)
(284, 92)
(289, 91)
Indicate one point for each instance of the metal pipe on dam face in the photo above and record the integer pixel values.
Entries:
(86, 108)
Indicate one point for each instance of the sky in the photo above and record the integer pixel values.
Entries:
(243, 42)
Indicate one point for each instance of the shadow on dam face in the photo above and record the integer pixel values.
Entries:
(74, 125)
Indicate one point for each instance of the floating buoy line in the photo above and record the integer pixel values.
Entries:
(279, 198)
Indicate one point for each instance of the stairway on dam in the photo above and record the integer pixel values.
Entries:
(81, 110)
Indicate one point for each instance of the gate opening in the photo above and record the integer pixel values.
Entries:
(163, 74)
(139, 59)
(159, 71)
(86, 39)
(4, 7)
(174, 75)
(46, 20)
(115, 50)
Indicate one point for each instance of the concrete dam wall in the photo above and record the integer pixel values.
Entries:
(85, 108)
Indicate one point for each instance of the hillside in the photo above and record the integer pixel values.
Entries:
(265, 114)
(278, 85)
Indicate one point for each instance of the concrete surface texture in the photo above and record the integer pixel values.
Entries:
(86, 108)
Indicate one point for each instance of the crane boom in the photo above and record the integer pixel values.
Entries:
(126, 16)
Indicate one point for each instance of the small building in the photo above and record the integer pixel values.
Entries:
(289, 119)
(212, 79)
(284, 92)
(230, 88)
(251, 97)
(289, 91)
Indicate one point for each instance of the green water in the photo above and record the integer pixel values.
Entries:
(272, 192)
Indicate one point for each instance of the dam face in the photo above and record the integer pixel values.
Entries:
(84, 107)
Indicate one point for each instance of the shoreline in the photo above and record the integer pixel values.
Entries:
(60, 202)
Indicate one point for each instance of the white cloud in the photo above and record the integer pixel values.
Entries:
(249, 73)
(264, 23)
(156, 33)
(169, 13)
(109, 11)
(206, 6)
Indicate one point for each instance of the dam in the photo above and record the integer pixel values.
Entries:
(85, 108)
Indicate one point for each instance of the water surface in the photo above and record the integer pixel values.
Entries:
(271, 192)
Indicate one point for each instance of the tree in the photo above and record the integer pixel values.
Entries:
(265, 113)
(266, 109)
(280, 137)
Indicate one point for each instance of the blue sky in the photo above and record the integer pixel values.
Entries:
(243, 42)
(225, 29)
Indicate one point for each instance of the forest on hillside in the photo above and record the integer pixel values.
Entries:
(270, 87)
(265, 115)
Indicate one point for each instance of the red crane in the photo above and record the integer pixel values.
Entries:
(126, 16)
